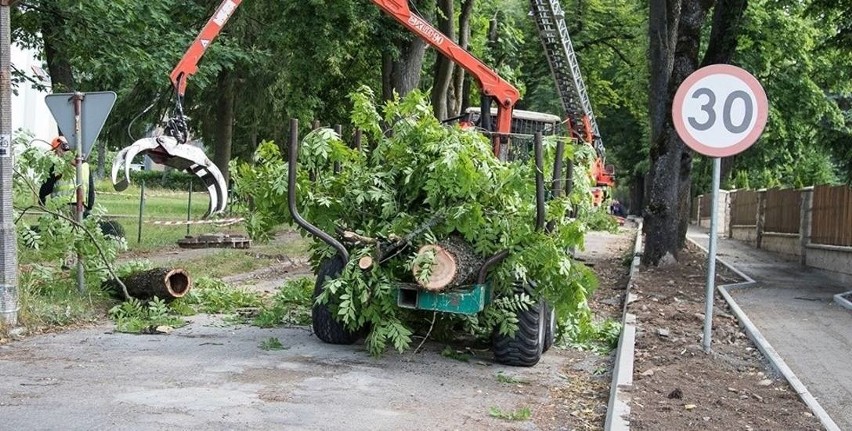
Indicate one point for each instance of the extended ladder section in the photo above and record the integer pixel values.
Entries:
(550, 21)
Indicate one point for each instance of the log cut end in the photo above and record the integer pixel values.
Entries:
(444, 268)
(177, 283)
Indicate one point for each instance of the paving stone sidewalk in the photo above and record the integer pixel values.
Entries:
(793, 308)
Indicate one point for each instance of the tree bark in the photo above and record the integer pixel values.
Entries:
(460, 96)
(166, 284)
(224, 124)
(58, 66)
(693, 16)
(660, 213)
(443, 75)
(455, 264)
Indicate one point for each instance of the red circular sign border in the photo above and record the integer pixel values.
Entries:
(748, 140)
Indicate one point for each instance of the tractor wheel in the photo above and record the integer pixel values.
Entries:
(550, 329)
(526, 347)
(111, 227)
(325, 326)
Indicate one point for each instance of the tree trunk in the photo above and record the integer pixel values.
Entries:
(166, 284)
(58, 66)
(443, 66)
(460, 96)
(455, 264)
(224, 124)
(693, 15)
(660, 213)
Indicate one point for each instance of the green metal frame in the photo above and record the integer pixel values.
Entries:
(467, 300)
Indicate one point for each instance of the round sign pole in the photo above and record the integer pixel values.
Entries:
(718, 111)
(711, 257)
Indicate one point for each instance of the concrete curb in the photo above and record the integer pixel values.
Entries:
(843, 302)
(767, 349)
(618, 409)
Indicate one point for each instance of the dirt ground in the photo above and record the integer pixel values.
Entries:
(676, 385)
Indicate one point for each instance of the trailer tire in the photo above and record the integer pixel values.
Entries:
(323, 321)
(525, 348)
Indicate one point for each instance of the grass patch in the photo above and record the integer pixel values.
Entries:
(135, 317)
(521, 414)
(458, 355)
(271, 343)
(291, 305)
(213, 296)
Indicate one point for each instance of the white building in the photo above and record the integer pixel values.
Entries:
(29, 112)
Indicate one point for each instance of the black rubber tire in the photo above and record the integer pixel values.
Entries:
(112, 227)
(526, 347)
(325, 326)
(550, 327)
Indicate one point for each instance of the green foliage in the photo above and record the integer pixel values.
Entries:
(521, 414)
(291, 305)
(135, 317)
(458, 355)
(215, 296)
(271, 343)
(581, 332)
(419, 170)
(599, 219)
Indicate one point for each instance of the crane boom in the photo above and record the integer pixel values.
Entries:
(491, 84)
(553, 31)
(188, 64)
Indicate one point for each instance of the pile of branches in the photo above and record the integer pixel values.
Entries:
(418, 183)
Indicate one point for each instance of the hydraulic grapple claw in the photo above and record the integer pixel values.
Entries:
(167, 151)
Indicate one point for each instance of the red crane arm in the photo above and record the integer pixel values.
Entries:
(490, 83)
(188, 65)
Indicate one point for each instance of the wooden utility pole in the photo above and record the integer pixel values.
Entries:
(8, 238)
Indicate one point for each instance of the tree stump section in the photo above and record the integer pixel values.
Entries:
(164, 283)
(455, 264)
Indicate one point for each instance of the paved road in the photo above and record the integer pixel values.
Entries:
(211, 376)
(793, 308)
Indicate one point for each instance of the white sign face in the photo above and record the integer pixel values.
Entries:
(720, 110)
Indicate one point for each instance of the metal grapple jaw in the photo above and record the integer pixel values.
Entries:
(166, 150)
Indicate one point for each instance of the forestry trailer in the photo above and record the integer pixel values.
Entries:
(537, 329)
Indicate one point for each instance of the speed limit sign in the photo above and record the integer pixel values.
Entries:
(720, 110)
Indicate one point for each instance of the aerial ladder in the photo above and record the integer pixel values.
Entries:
(553, 31)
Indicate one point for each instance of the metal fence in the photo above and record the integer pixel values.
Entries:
(832, 216)
(744, 208)
(783, 210)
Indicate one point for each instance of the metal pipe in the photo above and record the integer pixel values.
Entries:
(489, 263)
(141, 210)
(711, 258)
(539, 182)
(189, 208)
(558, 179)
(291, 195)
(78, 161)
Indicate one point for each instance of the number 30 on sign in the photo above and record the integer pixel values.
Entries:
(720, 110)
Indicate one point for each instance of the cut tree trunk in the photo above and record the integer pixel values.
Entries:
(455, 264)
(164, 283)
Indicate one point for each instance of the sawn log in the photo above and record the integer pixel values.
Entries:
(455, 264)
(164, 283)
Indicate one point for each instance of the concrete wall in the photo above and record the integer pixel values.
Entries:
(723, 214)
(744, 233)
(782, 243)
(830, 258)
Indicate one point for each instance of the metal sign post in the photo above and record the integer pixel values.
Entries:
(80, 117)
(718, 111)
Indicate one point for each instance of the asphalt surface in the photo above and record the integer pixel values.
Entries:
(210, 375)
(793, 308)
